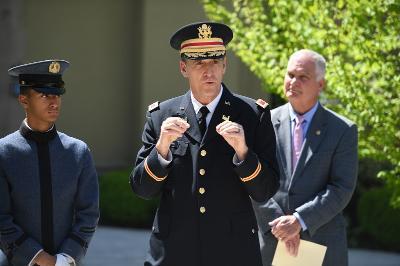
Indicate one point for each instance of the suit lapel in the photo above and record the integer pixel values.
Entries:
(224, 109)
(282, 129)
(186, 111)
(315, 134)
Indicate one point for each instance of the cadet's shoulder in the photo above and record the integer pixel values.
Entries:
(12, 140)
(71, 142)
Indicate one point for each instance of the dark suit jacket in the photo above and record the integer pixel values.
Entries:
(320, 186)
(217, 225)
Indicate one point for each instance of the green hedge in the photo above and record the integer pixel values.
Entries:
(119, 206)
(378, 219)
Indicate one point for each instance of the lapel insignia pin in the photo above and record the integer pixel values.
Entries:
(318, 132)
(228, 103)
(225, 118)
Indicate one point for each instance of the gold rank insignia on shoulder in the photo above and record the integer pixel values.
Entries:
(153, 106)
(54, 67)
(262, 103)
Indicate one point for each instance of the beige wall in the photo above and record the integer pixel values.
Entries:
(121, 62)
(11, 47)
(102, 40)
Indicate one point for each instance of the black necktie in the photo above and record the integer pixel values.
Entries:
(201, 116)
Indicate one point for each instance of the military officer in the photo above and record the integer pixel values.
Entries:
(207, 154)
(48, 182)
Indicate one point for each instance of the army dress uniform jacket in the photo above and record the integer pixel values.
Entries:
(205, 215)
(48, 195)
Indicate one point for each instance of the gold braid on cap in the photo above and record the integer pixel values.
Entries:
(204, 46)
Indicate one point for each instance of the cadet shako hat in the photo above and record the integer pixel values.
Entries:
(202, 40)
(43, 76)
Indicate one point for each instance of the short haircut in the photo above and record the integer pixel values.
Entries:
(319, 61)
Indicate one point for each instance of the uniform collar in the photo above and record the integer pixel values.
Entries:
(40, 137)
(211, 106)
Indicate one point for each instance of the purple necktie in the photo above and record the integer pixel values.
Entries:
(297, 140)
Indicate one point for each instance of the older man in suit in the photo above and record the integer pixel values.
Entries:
(317, 156)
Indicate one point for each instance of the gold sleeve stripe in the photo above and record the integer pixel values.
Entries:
(253, 175)
(150, 173)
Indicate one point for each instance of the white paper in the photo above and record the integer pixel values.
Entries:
(310, 254)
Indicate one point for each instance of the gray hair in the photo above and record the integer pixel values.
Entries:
(319, 61)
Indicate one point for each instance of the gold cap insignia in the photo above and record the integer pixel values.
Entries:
(204, 31)
(54, 67)
(225, 118)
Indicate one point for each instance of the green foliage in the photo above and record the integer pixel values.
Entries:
(120, 206)
(378, 219)
(361, 42)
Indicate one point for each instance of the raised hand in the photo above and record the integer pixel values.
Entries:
(171, 129)
(285, 227)
(233, 133)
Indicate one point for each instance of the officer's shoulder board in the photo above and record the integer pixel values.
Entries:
(262, 104)
(154, 106)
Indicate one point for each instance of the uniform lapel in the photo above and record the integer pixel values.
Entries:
(313, 139)
(186, 111)
(224, 109)
(282, 129)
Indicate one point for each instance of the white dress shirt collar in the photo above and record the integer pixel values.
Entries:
(26, 124)
(211, 106)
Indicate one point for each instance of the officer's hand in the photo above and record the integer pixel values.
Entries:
(292, 245)
(45, 259)
(285, 227)
(171, 129)
(233, 133)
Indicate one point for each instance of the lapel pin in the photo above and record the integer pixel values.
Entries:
(228, 103)
(318, 132)
(225, 118)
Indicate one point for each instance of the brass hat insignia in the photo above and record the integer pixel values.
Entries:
(54, 67)
(204, 31)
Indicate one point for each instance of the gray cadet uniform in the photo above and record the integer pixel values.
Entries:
(48, 193)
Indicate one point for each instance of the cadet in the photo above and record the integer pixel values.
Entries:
(206, 153)
(48, 182)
